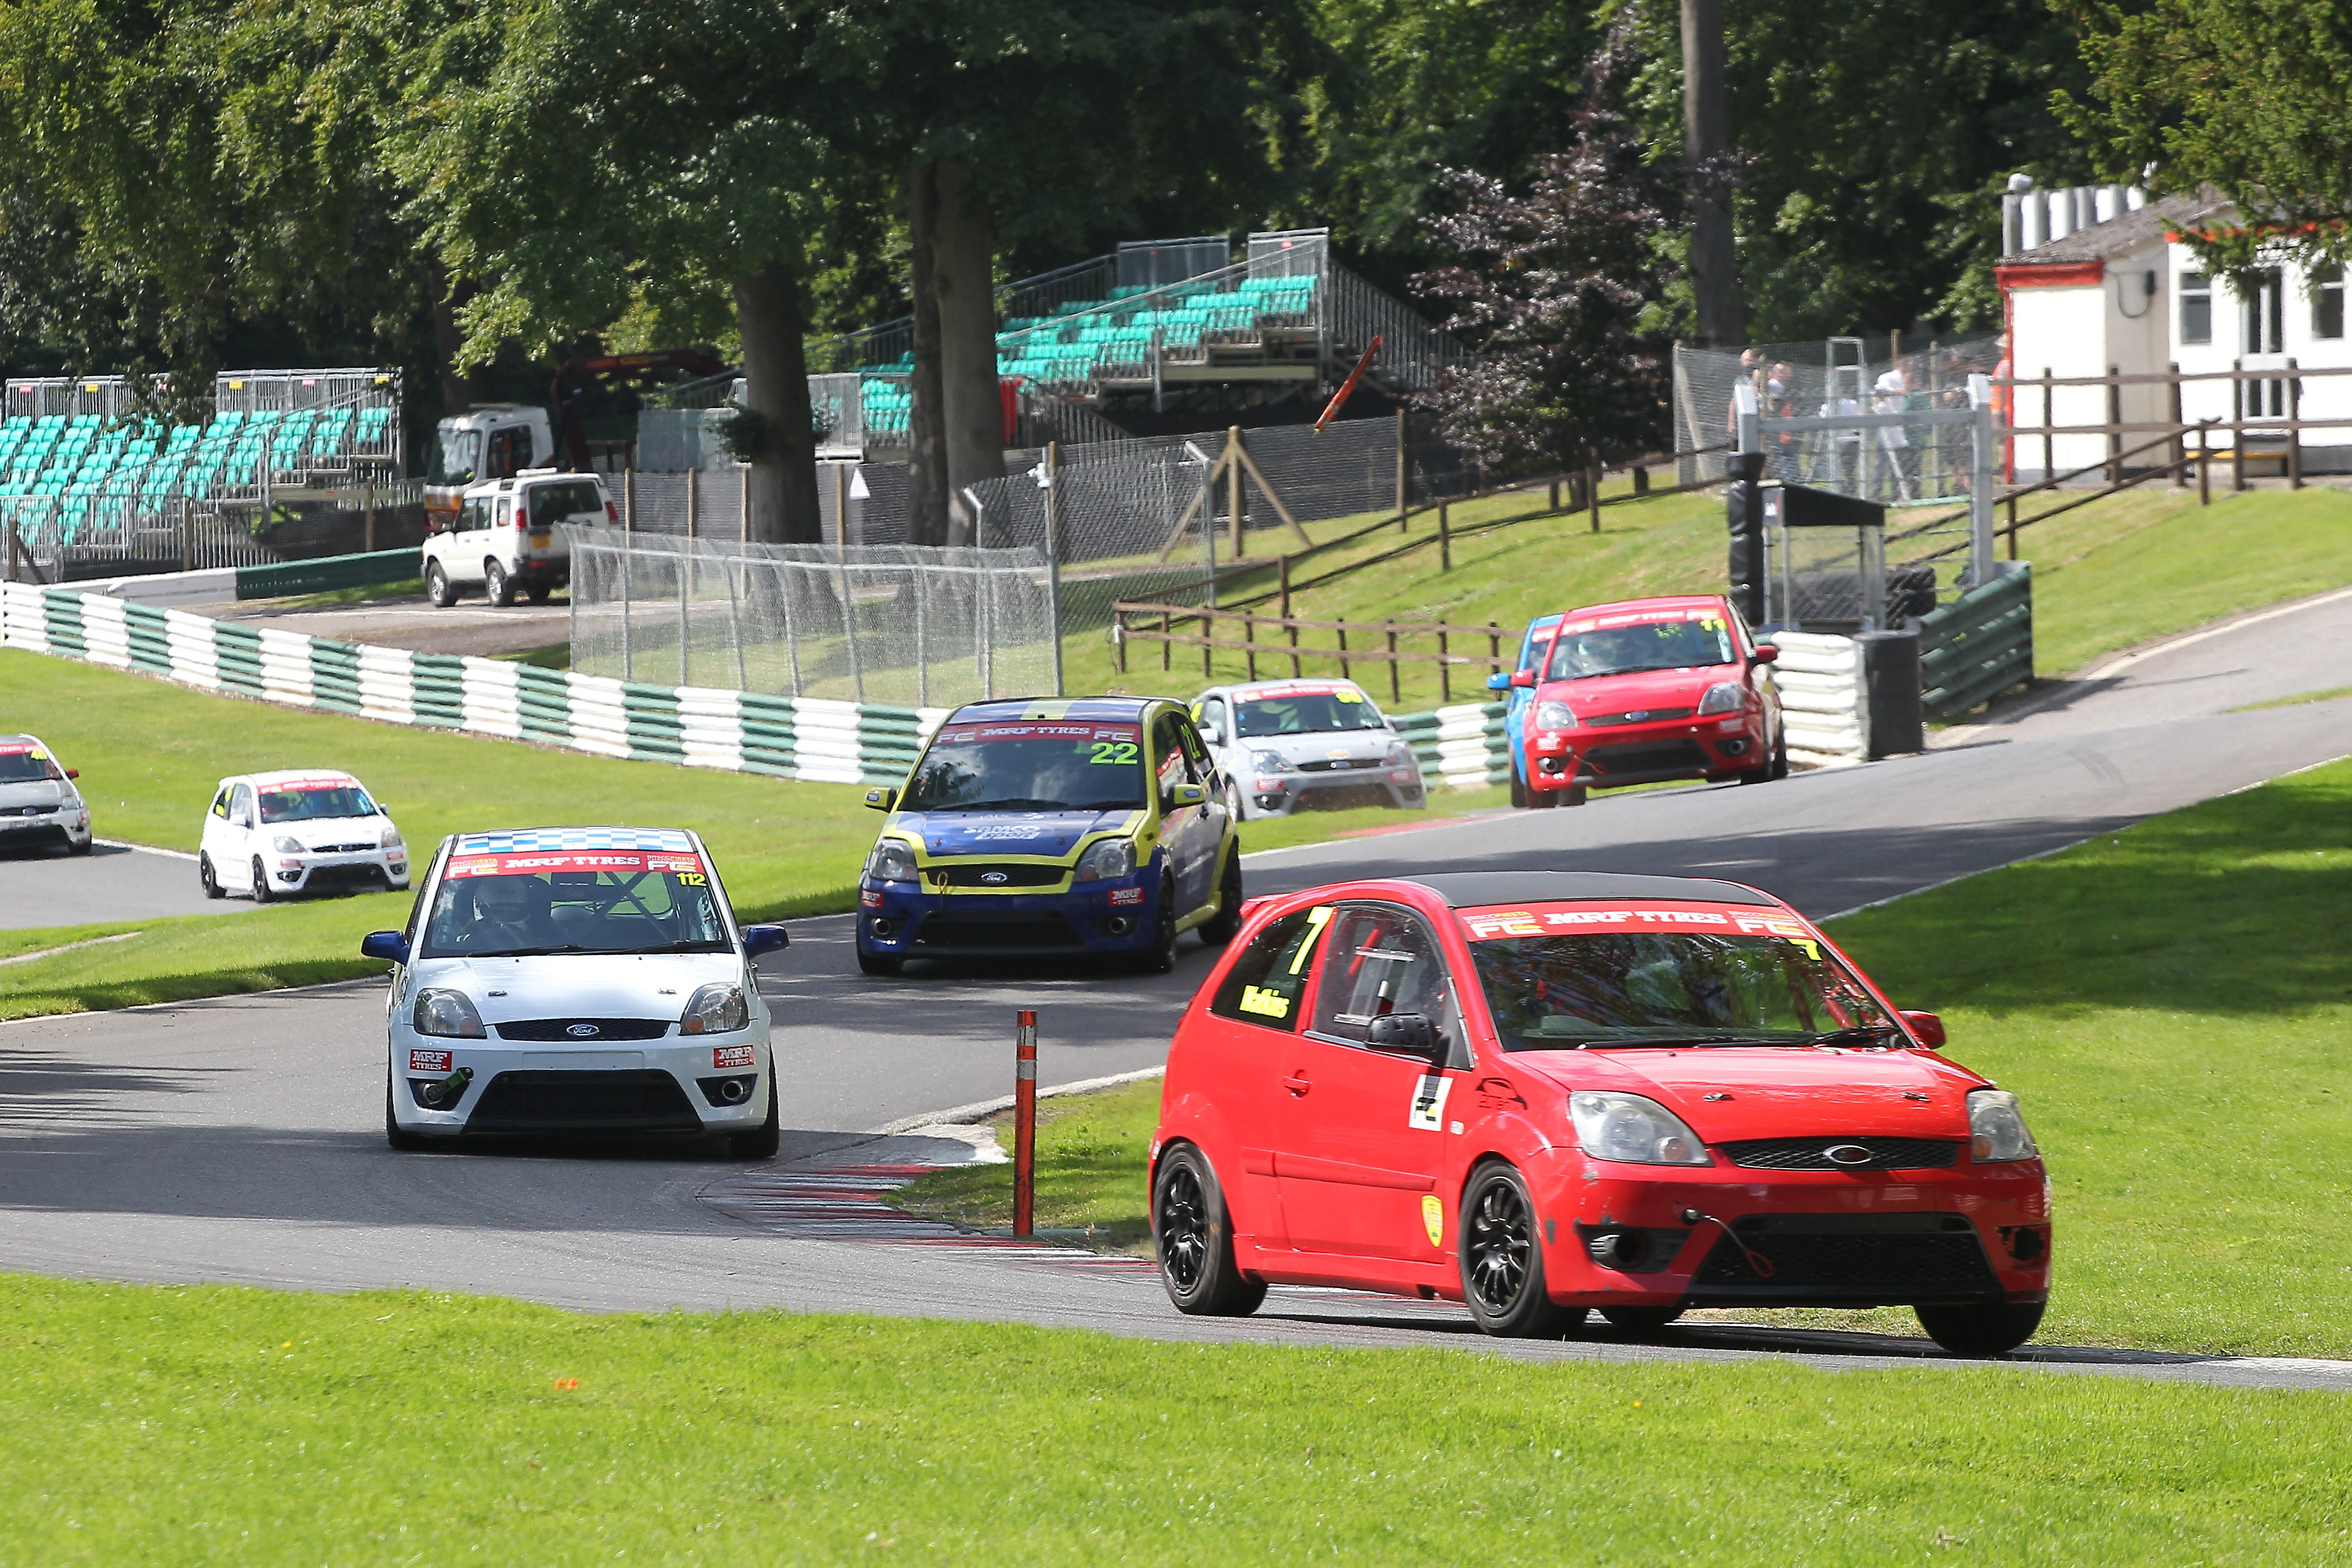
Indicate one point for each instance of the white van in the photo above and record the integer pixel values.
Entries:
(506, 537)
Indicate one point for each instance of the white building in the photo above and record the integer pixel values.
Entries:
(2098, 281)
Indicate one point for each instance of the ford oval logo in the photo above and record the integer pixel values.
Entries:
(584, 1031)
(1638, 714)
(1847, 1154)
(994, 879)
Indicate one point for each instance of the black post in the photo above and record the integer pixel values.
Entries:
(1746, 507)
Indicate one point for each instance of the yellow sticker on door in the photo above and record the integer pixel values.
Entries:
(1429, 1093)
(1432, 1218)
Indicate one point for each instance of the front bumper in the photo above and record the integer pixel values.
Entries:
(66, 822)
(672, 1087)
(337, 872)
(1280, 793)
(1620, 754)
(1825, 1238)
(900, 919)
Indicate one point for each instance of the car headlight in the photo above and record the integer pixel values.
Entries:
(1629, 1127)
(390, 838)
(1107, 860)
(1399, 754)
(1997, 1128)
(1268, 761)
(891, 862)
(1723, 697)
(286, 845)
(1554, 715)
(717, 1008)
(448, 1015)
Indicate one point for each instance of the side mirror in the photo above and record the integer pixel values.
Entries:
(73, 773)
(1523, 677)
(1929, 1027)
(883, 799)
(382, 809)
(388, 945)
(1499, 681)
(1183, 795)
(757, 940)
(1406, 1034)
(1766, 653)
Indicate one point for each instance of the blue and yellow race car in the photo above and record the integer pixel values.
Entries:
(1089, 825)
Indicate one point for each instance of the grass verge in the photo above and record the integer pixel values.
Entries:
(2174, 1006)
(1089, 1172)
(156, 1424)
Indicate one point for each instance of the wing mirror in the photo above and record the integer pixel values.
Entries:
(757, 940)
(1499, 681)
(1929, 1027)
(388, 945)
(882, 799)
(1523, 679)
(73, 773)
(1766, 653)
(1183, 795)
(1406, 1034)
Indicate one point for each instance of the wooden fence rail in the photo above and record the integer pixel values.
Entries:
(1381, 648)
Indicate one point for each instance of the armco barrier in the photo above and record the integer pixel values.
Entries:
(328, 574)
(1825, 704)
(1978, 646)
(740, 731)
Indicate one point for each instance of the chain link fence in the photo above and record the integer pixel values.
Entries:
(893, 624)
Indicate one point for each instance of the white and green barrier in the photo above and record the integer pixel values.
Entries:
(1825, 700)
(741, 732)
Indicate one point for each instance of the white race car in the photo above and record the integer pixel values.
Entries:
(275, 835)
(577, 980)
(39, 804)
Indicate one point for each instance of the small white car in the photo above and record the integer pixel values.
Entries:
(507, 538)
(270, 835)
(577, 980)
(1282, 745)
(38, 802)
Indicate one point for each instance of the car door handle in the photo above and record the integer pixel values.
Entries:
(1296, 1085)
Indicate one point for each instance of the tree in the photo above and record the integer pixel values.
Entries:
(2247, 96)
(1553, 289)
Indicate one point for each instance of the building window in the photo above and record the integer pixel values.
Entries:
(2265, 311)
(2328, 301)
(2196, 308)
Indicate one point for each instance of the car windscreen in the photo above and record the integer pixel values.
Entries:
(456, 456)
(22, 762)
(1650, 645)
(1564, 991)
(1306, 713)
(309, 802)
(551, 504)
(1030, 767)
(522, 905)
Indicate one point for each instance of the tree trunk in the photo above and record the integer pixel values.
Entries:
(927, 448)
(1714, 260)
(458, 391)
(963, 281)
(774, 320)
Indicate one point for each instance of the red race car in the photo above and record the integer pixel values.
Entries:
(1639, 692)
(1541, 1092)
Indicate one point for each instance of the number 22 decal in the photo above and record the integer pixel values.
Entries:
(1113, 753)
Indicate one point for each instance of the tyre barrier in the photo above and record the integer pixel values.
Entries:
(1824, 699)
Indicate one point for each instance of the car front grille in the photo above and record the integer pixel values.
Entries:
(1639, 716)
(1849, 1256)
(1021, 934)
(1654, 757)
(983, 874)
(28, 810)
(1812, 1154)
(640, 1101)
(600, 1029)
(1337, 764)
(1342, 797)
(342, 848)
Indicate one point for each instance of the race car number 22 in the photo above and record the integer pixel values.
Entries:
(1115, 753)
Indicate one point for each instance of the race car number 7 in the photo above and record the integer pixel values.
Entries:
(1113, 753)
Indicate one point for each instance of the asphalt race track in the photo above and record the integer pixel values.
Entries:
(45, 887)
(239, 1140)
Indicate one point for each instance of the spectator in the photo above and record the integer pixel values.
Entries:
(1893, 396)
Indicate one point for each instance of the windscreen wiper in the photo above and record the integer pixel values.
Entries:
(528, 951)
(1671, 1040)
(1858, 1034)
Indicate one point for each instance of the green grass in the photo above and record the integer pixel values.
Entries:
(555, 656)
(163, 1425)
(365, 594)
(2295, 701)
(2174, 1005)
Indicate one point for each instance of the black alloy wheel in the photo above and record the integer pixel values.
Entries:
(1160, 956)
(1221, 931)
(205, 875)
(762, 1141)
(1195, 1238)
(1641, 1320)
(496, 586)
(438, 591)
(1502, 1262)
(406, 1142)
(1990, 1329)
(260, 882)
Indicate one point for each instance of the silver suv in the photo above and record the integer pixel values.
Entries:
(1284, 744)
(506, 538)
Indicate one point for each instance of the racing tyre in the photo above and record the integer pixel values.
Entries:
(1544, 799)
(1160, 956)
(760, 1143)
(1577, 795)
(1994, 1328)
(1518, 790)
(1195, 1233)
(406, 1142)
(260, 882)
(1641, 1320)
(884, 964)
(1781, 756)
(1219, 931)
(438, 591)
(208, 876)
(1502, 1263)
(496, 586)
